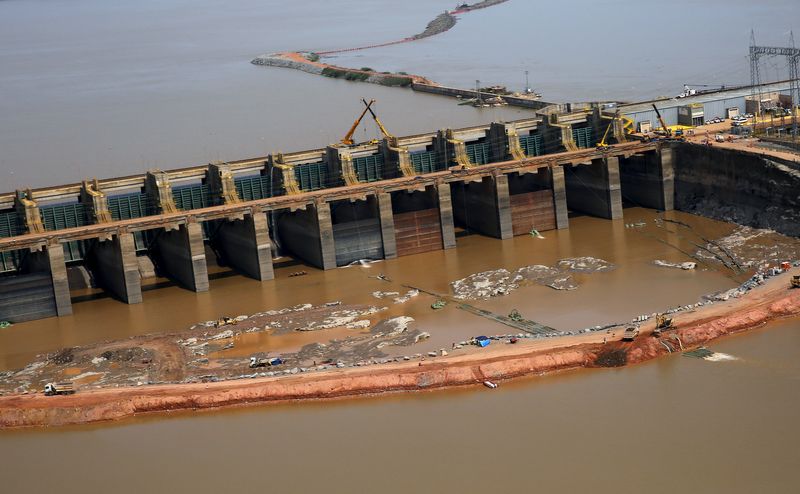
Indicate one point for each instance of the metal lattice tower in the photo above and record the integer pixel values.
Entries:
(755, 77)
(792, 55)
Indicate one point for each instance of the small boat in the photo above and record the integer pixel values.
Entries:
(489, 384)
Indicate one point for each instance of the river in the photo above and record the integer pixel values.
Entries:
(675, 424)
(115, 88)
(109, 89)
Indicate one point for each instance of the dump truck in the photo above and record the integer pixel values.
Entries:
(62, 388)
(631, 332)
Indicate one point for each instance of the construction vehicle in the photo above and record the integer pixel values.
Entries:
(347, 140)
(602, 144)
(265, 362)
(662, 322)
(383, 130)
(664, 127)
(795, 282)
(631, 332)
(225, 321)
(62, 388)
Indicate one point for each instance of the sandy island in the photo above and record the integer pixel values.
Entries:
(774, 299)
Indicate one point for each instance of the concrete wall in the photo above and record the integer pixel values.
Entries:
(245, 246)
(648, 179)
(180, 255)
(595, 189)
(308, 235)
(484, 206)
(115, 268)
(734, 186)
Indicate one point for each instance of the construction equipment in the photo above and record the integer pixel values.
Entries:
(265, 362)
(62, 388)
(383, 130)
(662, 122)
(602, 144)
(663, 322)
(795, 282)
(347, 140)
(631, 332)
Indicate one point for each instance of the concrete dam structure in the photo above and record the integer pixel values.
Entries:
(326, 207)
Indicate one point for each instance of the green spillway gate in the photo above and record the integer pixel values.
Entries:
(531, 144)
(479, 153)
(9, 227)
(61, 216)
(425, 162)
(311, 176)
(369, 168)
(584, 137)
(253, 188)
(129, 206)
(189, 197)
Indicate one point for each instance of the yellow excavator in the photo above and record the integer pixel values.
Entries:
(347, 140)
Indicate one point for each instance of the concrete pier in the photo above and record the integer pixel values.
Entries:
(484, 206)
(594, 188)
(387, 225)
(115, 268)
(649, 179)
(180, 255)
(40, 290)
(244, 244)
(446, 216)
(308, 234)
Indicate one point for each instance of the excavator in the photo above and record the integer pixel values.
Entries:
(347, 140)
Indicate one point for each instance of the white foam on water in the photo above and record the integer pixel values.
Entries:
(720, 357)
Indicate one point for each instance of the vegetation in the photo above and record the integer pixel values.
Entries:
(367, 69)
(396, 81)
(348, 75)
(312, 57)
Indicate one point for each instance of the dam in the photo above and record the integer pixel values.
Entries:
(325, 207)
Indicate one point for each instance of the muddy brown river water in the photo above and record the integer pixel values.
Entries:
(636, 286)
(92, 88)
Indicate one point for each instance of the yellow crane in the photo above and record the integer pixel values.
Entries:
(602, 144)
(348, 138)
(385, 132)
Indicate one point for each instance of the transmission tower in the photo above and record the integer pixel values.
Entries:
(792, 55)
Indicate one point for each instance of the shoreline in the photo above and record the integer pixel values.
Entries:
(770, 301)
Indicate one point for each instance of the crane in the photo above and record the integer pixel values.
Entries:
(662, 122)
(602, 144)
(385, 132)
(348, 138)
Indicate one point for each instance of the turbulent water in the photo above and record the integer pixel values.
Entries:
(92, 88)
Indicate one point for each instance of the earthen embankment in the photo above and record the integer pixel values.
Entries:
(762, 304)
